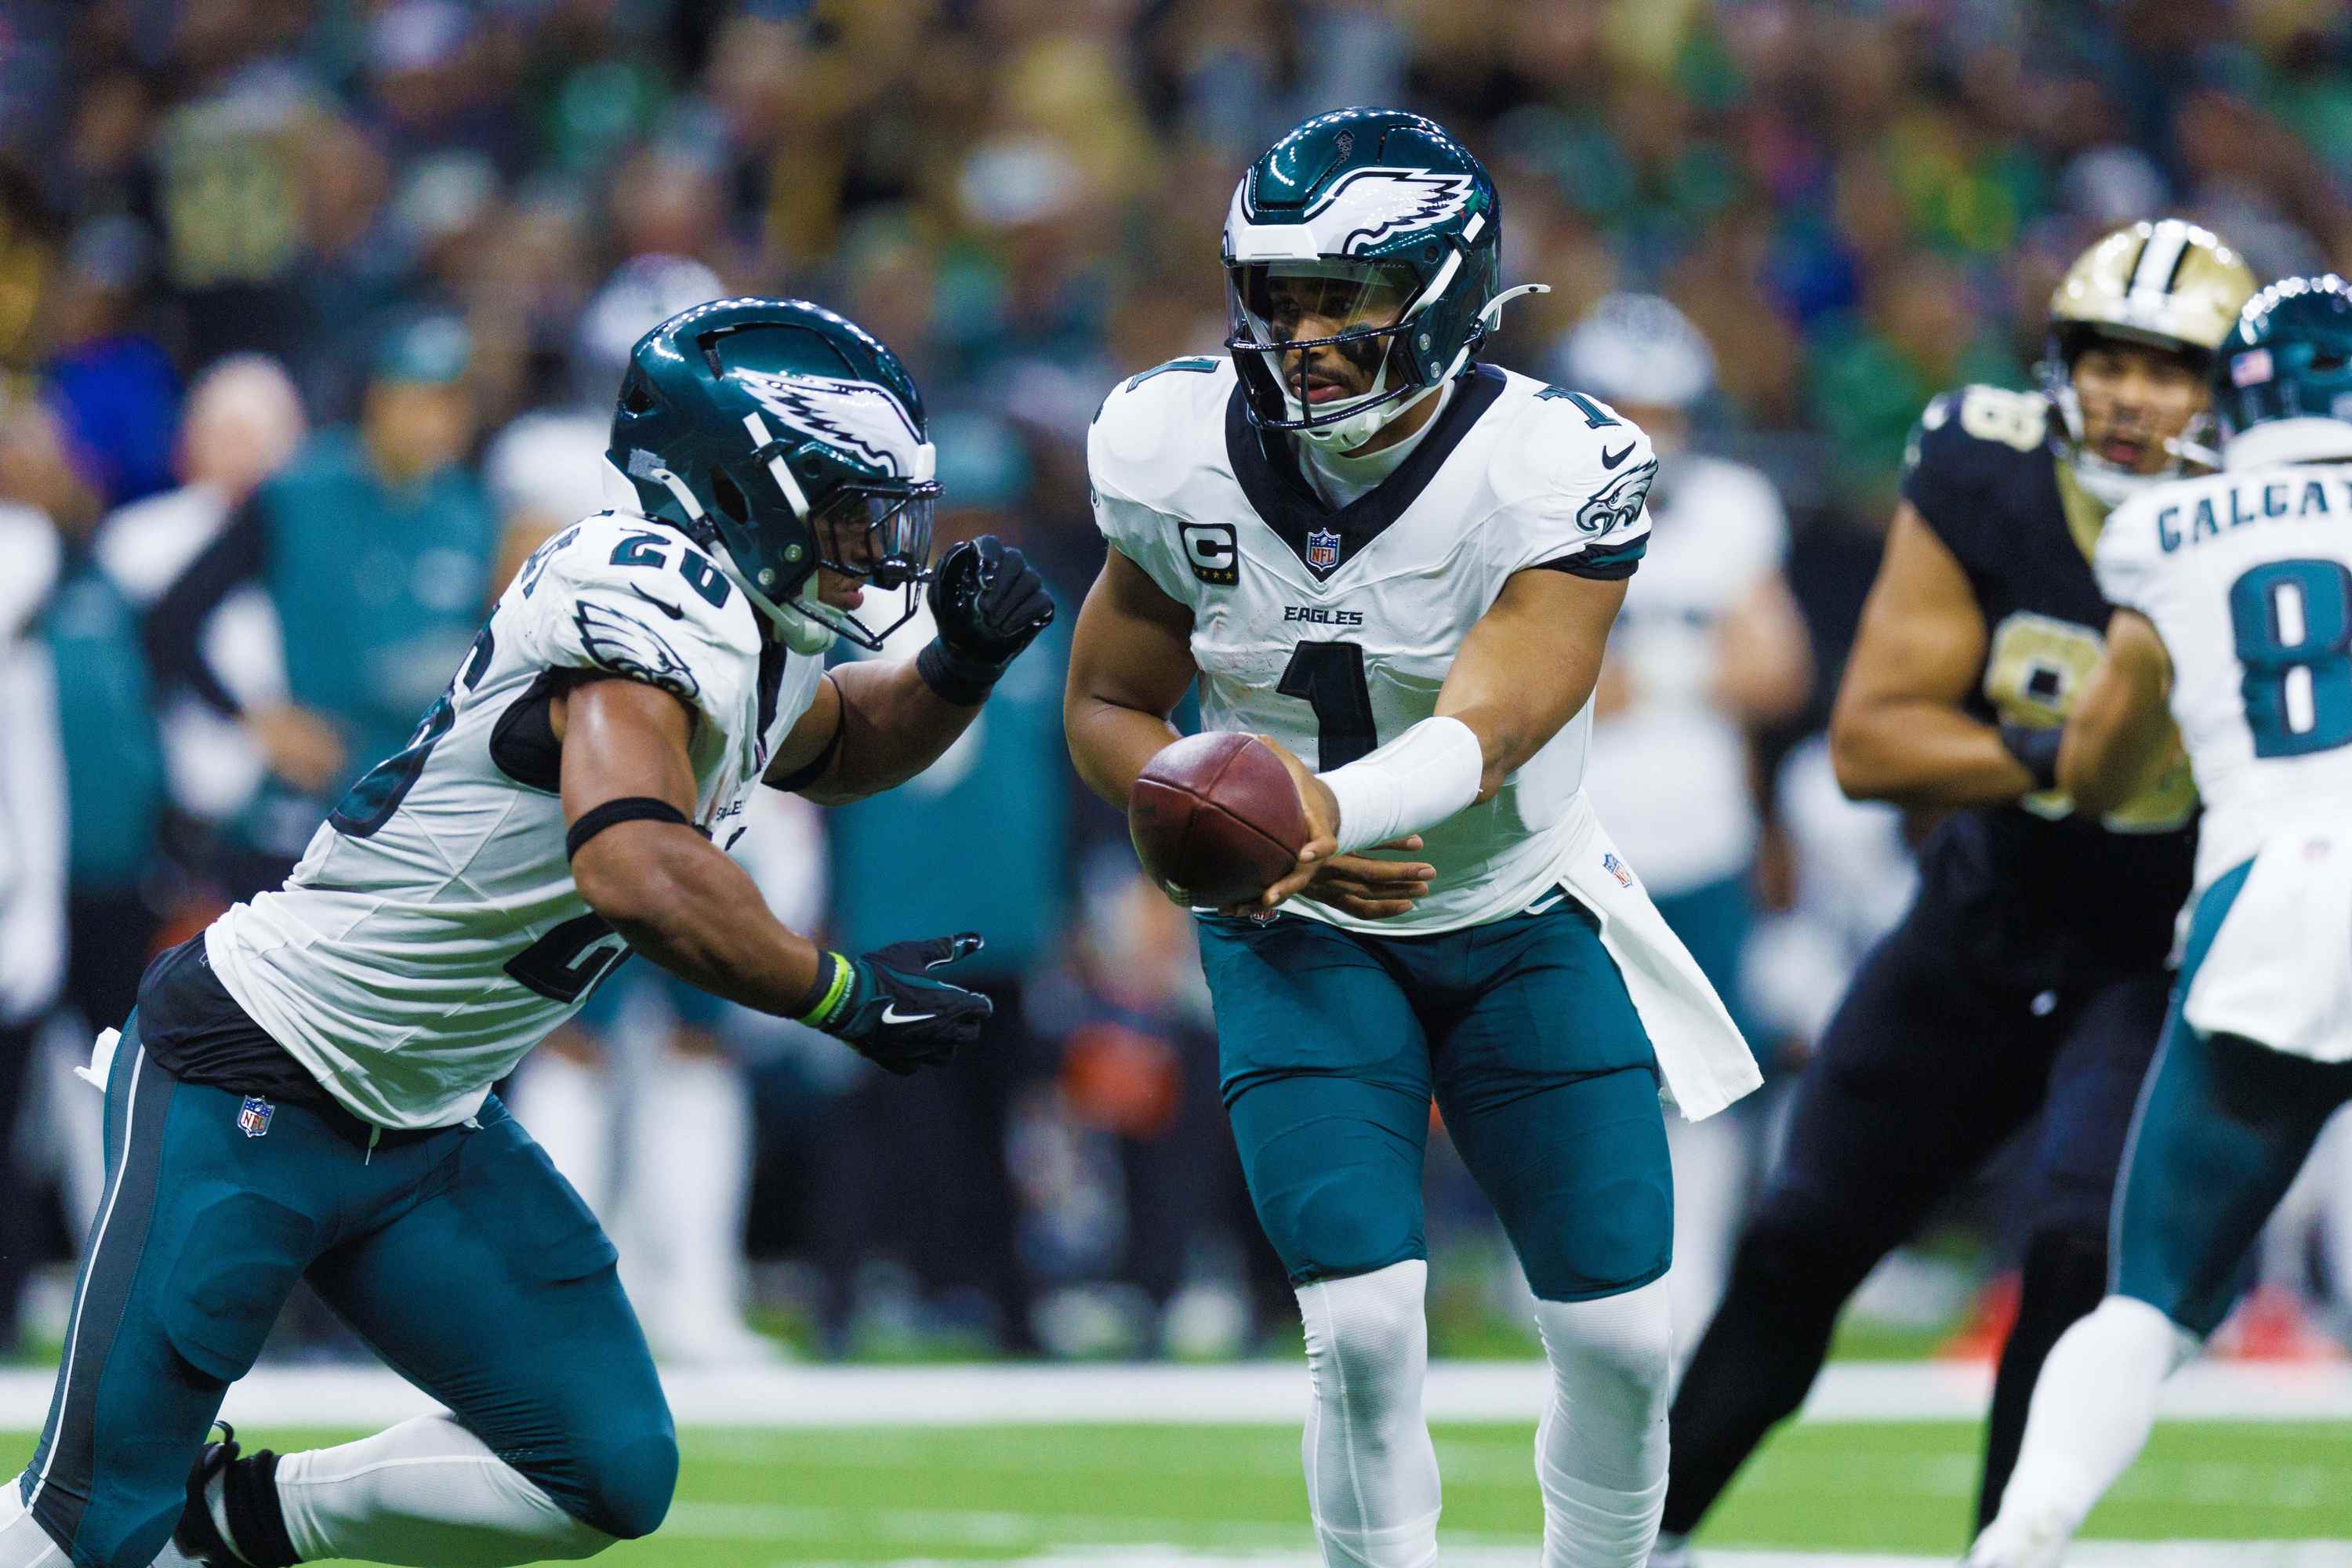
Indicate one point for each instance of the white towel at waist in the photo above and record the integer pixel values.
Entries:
(2280, 970)
(1704, 1062)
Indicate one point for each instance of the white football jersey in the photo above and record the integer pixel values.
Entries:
(2247, 575)
(1669, 771)
(431, 934)
(1333, 630)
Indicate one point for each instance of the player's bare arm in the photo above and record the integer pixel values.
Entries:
(679, 901)
(1899, 732)
(2120, 737)
(674, 895)
(1131, 665)
(1764, 655)
(876, 725)
(1524, 670)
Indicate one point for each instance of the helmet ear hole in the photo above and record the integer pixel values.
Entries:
(730, 498)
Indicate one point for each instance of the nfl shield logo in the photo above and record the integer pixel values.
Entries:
(1322, 550)
(1617, 869)
(253, 1117)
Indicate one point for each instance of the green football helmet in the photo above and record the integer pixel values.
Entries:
(1376, 220)
(2286, 368)
(783, 438)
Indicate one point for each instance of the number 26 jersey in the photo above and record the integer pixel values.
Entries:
(1333, 630)
(431, 934)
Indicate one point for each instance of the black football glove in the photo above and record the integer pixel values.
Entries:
(989, 603)
(888, 1009)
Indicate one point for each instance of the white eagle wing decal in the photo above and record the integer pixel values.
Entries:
(858, 417)
(1368, 204)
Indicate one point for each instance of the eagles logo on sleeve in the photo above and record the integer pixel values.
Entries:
(1618, 502)
(626, 646)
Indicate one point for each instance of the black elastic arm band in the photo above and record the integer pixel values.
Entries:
(2037, 749)
(628, 808)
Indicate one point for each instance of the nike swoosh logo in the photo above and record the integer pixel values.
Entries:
(891, 1014)
(674, 614)
(1611, 460)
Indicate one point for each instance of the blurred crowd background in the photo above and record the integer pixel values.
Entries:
(311, 315)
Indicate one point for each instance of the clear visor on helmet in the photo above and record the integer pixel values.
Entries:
(1312, 338)
(875, 536)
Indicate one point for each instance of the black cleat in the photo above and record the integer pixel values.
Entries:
(196, 1534)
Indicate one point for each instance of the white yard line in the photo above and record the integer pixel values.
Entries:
(1248, 1392)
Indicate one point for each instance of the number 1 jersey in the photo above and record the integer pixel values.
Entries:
(1333, 630)
(431, 934)
(2247, 575)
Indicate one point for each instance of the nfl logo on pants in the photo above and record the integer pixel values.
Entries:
(253, 1117)
(1322, 550)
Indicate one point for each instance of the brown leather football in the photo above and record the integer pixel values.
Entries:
(1217, 819)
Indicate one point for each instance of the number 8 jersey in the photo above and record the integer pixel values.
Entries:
(2247, 575)
(431, 934)
(1332, 630)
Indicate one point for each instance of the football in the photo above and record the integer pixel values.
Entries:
(1217, 819)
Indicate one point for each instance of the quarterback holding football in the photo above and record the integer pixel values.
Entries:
(1398, 566)
(303, 1091)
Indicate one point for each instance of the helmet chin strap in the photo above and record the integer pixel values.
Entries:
(1344, 436)
(2104, 481)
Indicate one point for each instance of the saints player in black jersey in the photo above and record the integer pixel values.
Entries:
(2029, 974)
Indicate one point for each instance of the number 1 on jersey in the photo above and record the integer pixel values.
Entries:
(1329, 677)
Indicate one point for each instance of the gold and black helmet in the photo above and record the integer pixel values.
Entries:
(2169, 284)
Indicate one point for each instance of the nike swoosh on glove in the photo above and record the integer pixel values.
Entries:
(989, 603)
(897, 1015)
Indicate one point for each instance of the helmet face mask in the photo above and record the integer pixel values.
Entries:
(2167, 286)
(1283, 313)
(791, 444)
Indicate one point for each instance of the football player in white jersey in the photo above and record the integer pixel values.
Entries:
(1400, 565)
(304, 1090)
(2234, 624)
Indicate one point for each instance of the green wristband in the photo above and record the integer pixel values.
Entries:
(832, 993)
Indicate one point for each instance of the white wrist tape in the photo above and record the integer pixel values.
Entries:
(1409, 786)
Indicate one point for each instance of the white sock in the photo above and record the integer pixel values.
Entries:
(1600, 1449)
(1712, 1188)
(23, 1542)
(567, 1106)
(1372, 1474)
(687, 1176)
(2092, 1407)
(425, 1492)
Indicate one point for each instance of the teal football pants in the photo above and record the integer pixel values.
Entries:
(459, 1255)
(2224, 1125)
(1333, 1044)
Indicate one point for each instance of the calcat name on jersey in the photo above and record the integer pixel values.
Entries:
(2269, 500)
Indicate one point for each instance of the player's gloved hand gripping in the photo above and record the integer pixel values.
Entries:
(989, 603)
(886, 1006)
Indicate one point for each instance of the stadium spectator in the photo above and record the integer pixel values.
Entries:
(40, 497)
(373, 549)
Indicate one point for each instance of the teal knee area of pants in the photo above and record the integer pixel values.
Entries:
(138, 1530)
(1337, 1193)
(619, 1478)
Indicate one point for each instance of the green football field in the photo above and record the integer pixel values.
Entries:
(1169, 1495)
